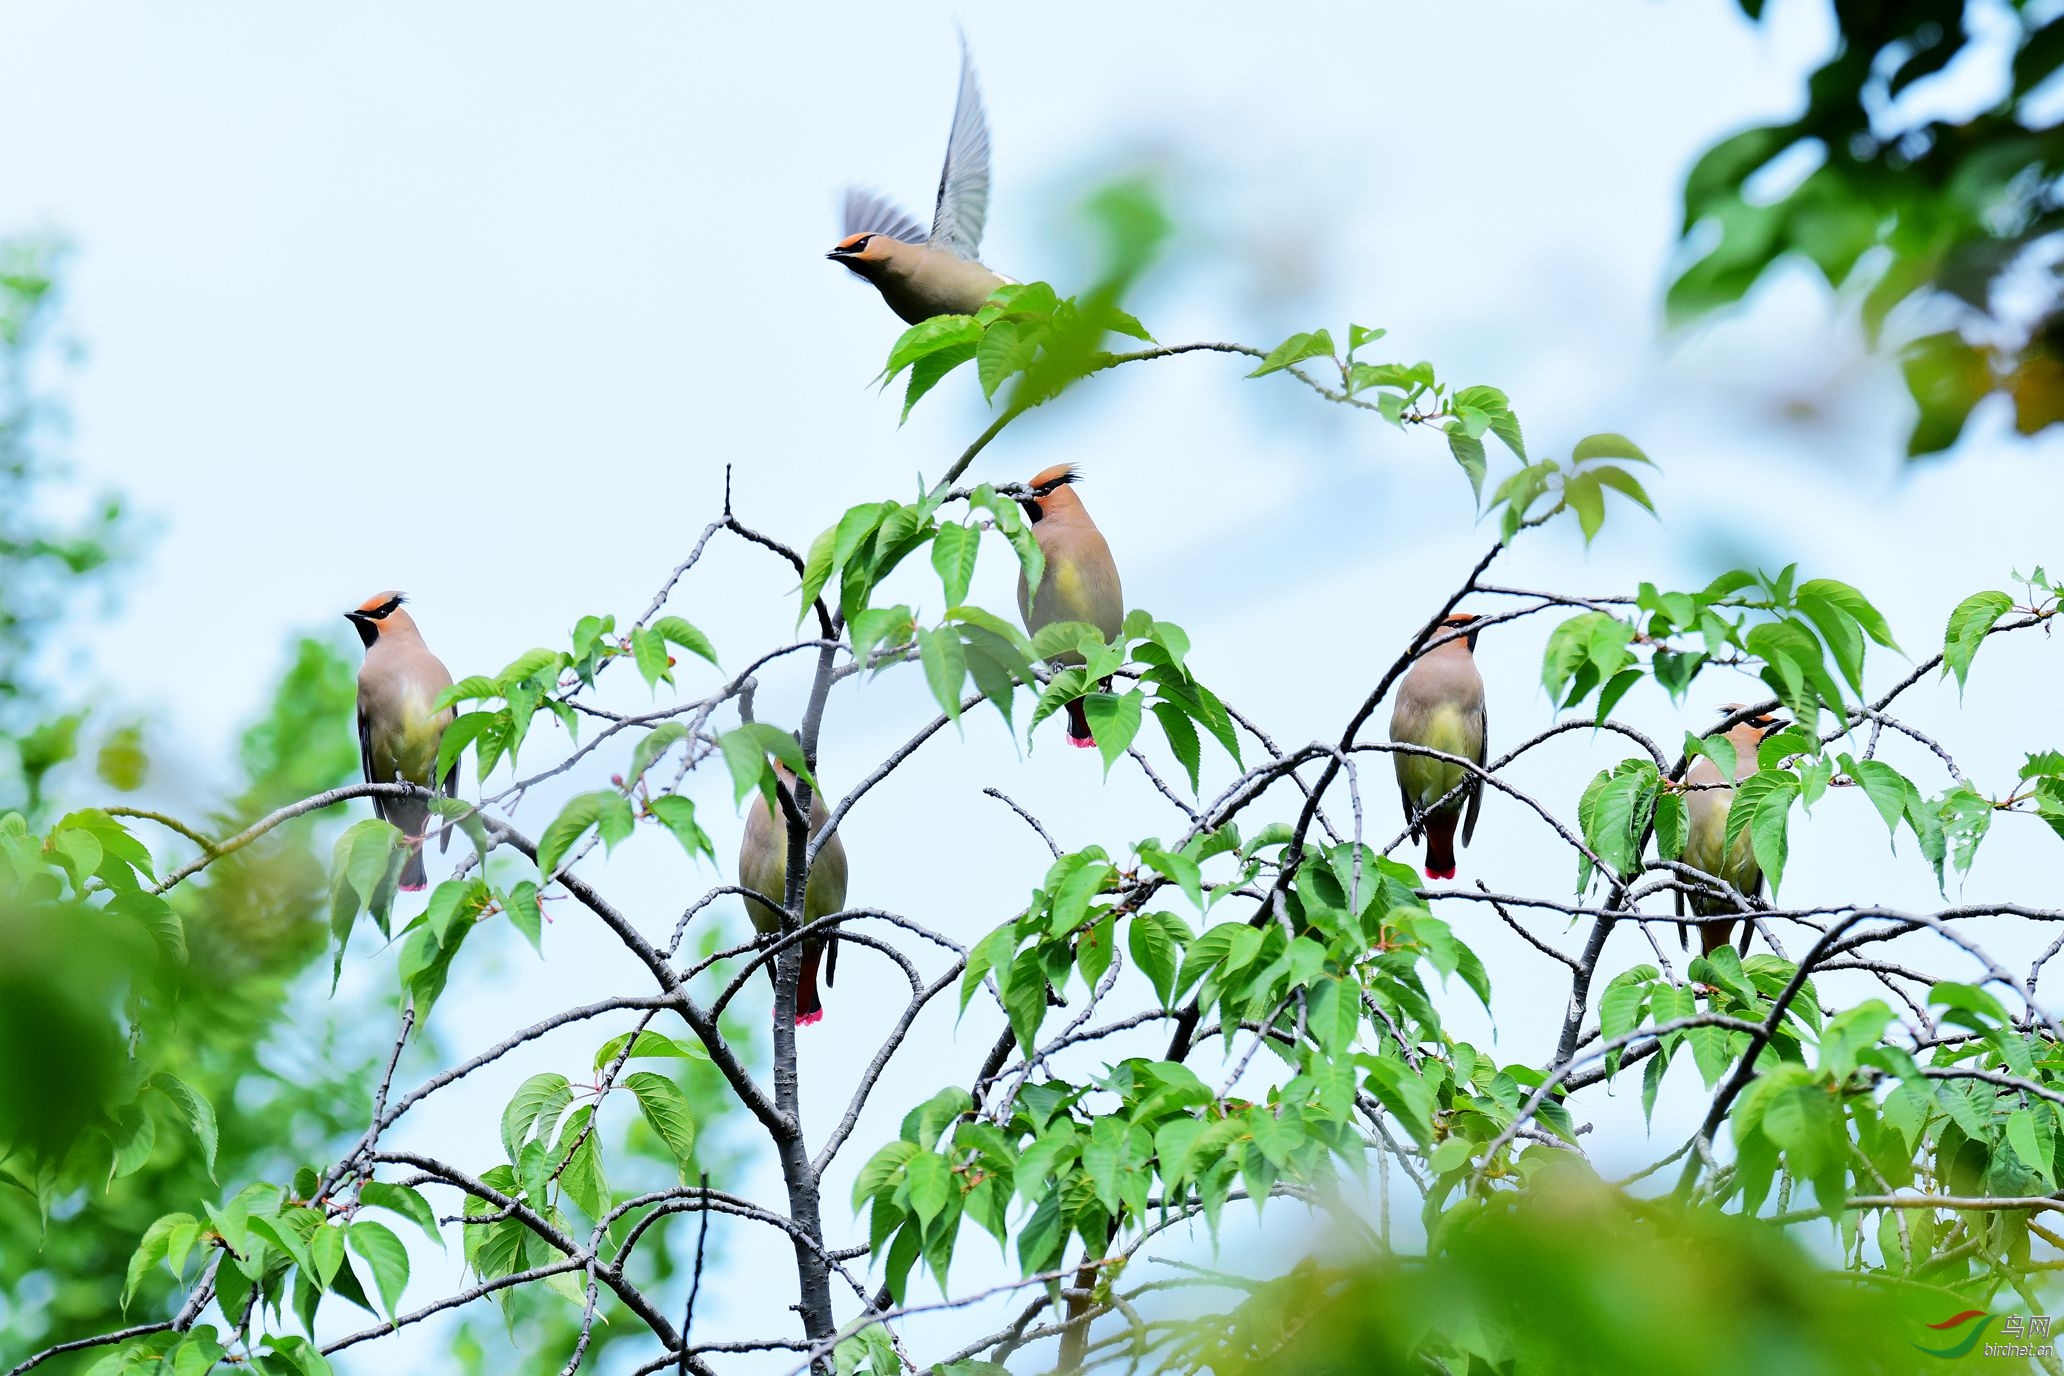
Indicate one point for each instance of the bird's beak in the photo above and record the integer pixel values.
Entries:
(356, 618)
(837, 254)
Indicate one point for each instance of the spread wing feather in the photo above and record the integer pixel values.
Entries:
(963, 204)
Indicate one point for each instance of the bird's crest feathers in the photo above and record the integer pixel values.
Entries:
(1050, 480)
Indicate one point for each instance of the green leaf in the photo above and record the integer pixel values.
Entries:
(945, 333)
(605, 810)
(930, 370)
(1671, 825)
(666, 1109)
(1024, 996)
(581, 1150)
(1295, 349)
(679, 632)
(945, 667)
(648, 648)
(1469, 453)
(649, 1043)
(382, 1251)
(953, 554)
(1114, 719)
(1582, 493)
(1968, 625)
(536, 1106)
(1607, 445)
(199, 1113)
(677, 815)
(150, 1250)
(746, 749)
(403, 1200)
(1007, 348)
(1154, 951)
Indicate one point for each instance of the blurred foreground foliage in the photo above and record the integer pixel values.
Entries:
(1582, 1279)
(1942, 228)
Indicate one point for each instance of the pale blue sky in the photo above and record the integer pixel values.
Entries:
(478, 302)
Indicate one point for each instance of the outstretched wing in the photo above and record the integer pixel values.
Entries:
(870, 213)
(365, 760)
(964, 182)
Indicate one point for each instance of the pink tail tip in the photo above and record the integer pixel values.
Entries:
(1432, 873)
(807, 1019)
(1083, 742)
(414, 888)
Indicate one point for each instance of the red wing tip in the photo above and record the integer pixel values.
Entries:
(1083, 742)
(807, 1019)
(1432, 873)
(414, 888)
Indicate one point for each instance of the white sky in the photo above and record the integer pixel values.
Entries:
(479, 301)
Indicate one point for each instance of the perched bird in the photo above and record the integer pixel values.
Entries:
(922, 275)
(763, 868)
(1080, 582)
(398, 728)
(1440, 706)
(1705, 843)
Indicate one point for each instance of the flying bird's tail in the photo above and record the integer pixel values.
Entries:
(1440, 844)
(1078, 726)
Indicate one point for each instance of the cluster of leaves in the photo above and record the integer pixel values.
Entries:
(50, 558)
(1343, 1003)
(1743, 989)
(278, 1248)
(1923, 211)
(970, 644)
(1800, 635)
(534, 680)
(1571, 1276)
(85, 934)
(1028, 331)
(1024, 331)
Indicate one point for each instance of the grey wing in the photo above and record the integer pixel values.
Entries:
(869, 213)
(964, 181)
(1483, 746)
(365, 760)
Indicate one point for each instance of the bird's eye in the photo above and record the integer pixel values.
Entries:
(385, 609)
(859, 245)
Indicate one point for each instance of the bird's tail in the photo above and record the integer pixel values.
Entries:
(1440, 845)
(414, 820)
(1078, 726)
(413, 877)
(809, 1007)
(1714, 935)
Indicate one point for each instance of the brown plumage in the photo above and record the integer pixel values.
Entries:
(1080, 582)
(1705, 845)
(398, 728)
(1440, 705)
(763, 868)
(922, 273)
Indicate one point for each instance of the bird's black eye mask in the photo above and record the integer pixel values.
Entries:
(1033, 511)
(367, 623)
(858, 245)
